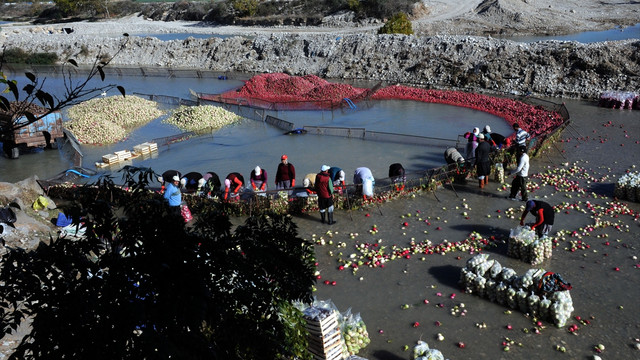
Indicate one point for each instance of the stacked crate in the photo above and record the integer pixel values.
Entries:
(145, 148)
(325, 338)
(123, 155)
(110, 159)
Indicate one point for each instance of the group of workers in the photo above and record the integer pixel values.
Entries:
(332, 178)
(478, 148)
(322, 184)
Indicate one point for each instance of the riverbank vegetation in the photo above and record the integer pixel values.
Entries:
(141, 282)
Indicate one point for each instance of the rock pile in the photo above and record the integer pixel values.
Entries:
(548, 68)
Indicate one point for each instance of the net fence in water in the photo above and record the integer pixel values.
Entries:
(279, 123)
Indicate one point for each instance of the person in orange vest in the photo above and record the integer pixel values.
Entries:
(236, 181)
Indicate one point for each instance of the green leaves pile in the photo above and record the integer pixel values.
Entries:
(108, 120)
(201, 118)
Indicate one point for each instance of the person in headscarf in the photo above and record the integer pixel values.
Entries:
(232, 185)
(472, 142)
(258, 179)
(363, 177)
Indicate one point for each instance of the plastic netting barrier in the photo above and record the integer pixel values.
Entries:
(357, 133)
(168, 140)
(279, 123)
(169, 100)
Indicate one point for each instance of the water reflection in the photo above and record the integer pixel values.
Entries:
(619, 33)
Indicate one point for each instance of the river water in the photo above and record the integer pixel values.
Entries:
(240, 147)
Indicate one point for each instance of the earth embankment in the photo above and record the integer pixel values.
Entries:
(548, 68)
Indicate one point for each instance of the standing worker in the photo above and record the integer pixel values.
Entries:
(236, 181)
(363, 177)
(173, 195)
(472, 142)
(397, 175)
(166, 178)
(324, 188)
(258, 179)
(483, 162)
(519, 182)
(521, 136)
(544, 216)
(286, 174)
(521, 139)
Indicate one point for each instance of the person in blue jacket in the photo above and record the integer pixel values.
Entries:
(173, 194)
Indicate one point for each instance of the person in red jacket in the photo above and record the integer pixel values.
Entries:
(544, 216)
(286, 174)
(324, 188)
(236, 181)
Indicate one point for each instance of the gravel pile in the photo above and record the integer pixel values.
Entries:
(548, 68)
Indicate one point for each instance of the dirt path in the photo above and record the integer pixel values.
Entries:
(444, 10)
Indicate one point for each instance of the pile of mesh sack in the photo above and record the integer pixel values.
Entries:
(628, 187)
(543, 294)
(422, 352)
(525, 245)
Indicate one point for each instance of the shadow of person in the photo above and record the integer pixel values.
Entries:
(385, 355)
(446, 274)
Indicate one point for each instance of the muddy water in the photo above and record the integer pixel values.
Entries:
(239, 148)
(604, 296)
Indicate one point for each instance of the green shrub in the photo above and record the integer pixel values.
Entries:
(19, 56)
(398, 24)
(245, 7)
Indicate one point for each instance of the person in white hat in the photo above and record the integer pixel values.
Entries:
(173, 195)
(258, 179)
(166, 178)
(324, 189)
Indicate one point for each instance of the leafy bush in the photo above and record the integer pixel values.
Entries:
(245, 7)
(19, 56)
(398, 24)
(142, 284)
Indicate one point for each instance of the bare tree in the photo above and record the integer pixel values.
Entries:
(34, 92)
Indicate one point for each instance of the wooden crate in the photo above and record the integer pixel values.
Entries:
(152, 146)
(142, 149)
(110, 158)
(123, 155)
(323, 326)
(325, 339)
